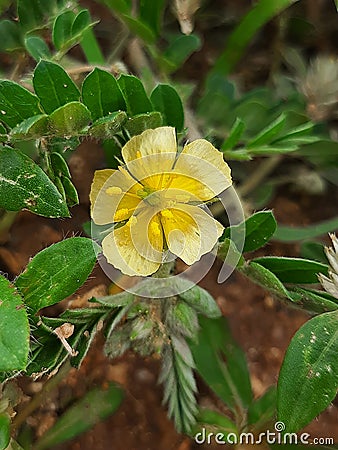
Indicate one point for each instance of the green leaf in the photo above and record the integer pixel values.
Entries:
(64, 144)
(313, 250)
(234, 135)
(151, 13)
(227, 251)
(53, 86)
(37, 48)
(141, 122)
(120, 6)
(218, 422)
(71, 194)
(265, 278)
(14, 329)
(179, 382)
(33, 127)
(112, 150)
(69, 119)
(31, 13)
(308, 378)
(81, 23)
(293, 270)
(134, 95)
(69, 28)
(11, 38)
(229, 380)
(91, 48)
(295, 234)
(62, 29)
(182, 319)
(199, 299)
(86, 324)
(95, 89)
(23, 185)
(59, 165)
(258, 229)
(107, 127)
(57, 272)
(136, 26)
(266, 150)
(60, 188)
(96, 405)
(322, 153)
(262, 12)
(263, 410)
(139, 28)
(116, 301)
(268, 133)
(166, 100)
(181, 48)
(16, 103)
(298, 133)
(5, 430)
(314, 302)
(47, 353)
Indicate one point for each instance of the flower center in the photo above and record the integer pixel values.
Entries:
(145, 192)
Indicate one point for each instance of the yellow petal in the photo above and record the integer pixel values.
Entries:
(150, 142)
(113, 196)
(150, 152)
(132, 249)
(201, 170)
(100, 177)
(190, 232)
(147, 233)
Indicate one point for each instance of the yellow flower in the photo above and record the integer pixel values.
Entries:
(156, 201)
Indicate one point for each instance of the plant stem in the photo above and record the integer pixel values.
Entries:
(39, 398)
(264, 169)
(164, 270)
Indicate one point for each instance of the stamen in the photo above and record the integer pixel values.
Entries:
(155, 228)
(121, 214)
(167, 214)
